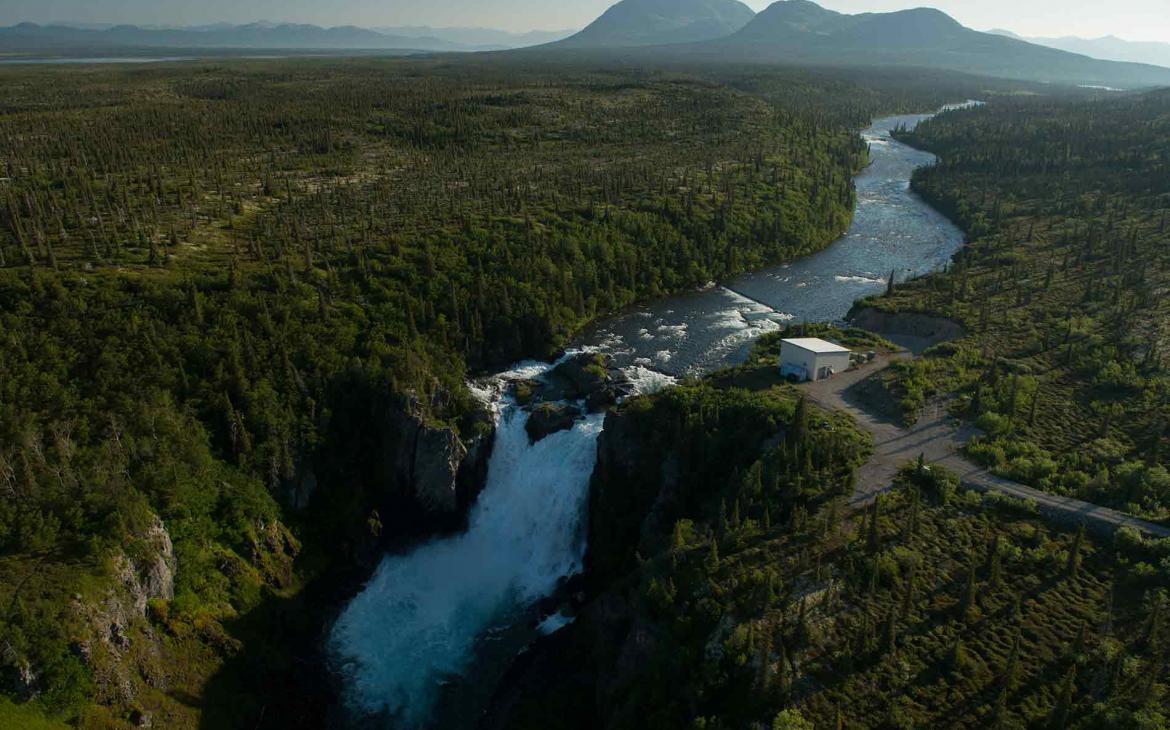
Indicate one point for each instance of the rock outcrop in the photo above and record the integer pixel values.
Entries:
(430, 469)
(152, 573)
(472, 473)
(438, 454)
(156, 574)
(634, 482)
(549, 418)
(118, 644)
(588, 377)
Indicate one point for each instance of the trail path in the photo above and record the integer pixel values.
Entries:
(940, 437)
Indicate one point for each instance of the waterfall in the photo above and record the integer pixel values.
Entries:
(416, 623)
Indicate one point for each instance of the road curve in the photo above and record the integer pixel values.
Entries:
(939, 438)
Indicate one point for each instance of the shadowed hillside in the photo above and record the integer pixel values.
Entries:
(656, 22)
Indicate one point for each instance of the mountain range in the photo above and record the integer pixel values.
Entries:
(264, 35)
(789, 32)
(479, 38)
(1108, 48)
(800, 32)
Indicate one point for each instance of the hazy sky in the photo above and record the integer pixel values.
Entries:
(1133, 19)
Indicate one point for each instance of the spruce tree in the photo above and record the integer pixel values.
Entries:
(890, 632)
(967, 607)
(995, 571)
(1058, 719)
(873, 538)
(958, 658)
(908, 593)
(1073, 567)
(800, 422)
(1011, 672)
(764, 678)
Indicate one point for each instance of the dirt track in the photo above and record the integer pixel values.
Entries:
(940, 438)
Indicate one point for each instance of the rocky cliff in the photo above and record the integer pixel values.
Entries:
(392, 469)
(430, 469)
(682, 477)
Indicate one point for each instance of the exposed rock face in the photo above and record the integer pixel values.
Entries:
(429, 468)
(913, 330)
(152, 576)
(549, 418)
(634, 481)
(473, 469)
(576, 378)
(590, 377)
(118, 645)
(157, 576)
(437, 456)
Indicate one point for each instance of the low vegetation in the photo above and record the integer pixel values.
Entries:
(1062, 292)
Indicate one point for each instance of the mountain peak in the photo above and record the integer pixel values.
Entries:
(802, 32)
(791, 16)
(657, 22)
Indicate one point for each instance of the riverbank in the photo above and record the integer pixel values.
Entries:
(1064, 355)
(700, 331)
(892, 229)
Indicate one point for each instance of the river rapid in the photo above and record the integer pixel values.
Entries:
(429, 615)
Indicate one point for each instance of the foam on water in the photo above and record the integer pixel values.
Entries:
(416, 623)
(646, 380)
(554, 623)
(420, 620)
(859, 279)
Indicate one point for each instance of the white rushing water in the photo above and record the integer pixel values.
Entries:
(417, 622)
(420, 619)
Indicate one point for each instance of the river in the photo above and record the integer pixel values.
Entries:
(432, 613)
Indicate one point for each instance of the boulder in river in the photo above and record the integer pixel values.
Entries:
(549, 418)
(590, 377)
(526, 390)
(577, 377)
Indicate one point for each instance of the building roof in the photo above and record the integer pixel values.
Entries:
(812, 344)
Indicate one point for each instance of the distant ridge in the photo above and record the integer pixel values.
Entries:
(479, 38)
(1108, 48)
(800, 32)
(33, 37)
(632, 23)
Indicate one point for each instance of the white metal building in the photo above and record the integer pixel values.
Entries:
(812, 359)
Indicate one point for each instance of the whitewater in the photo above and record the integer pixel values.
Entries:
(417, 622)
(416, 628)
